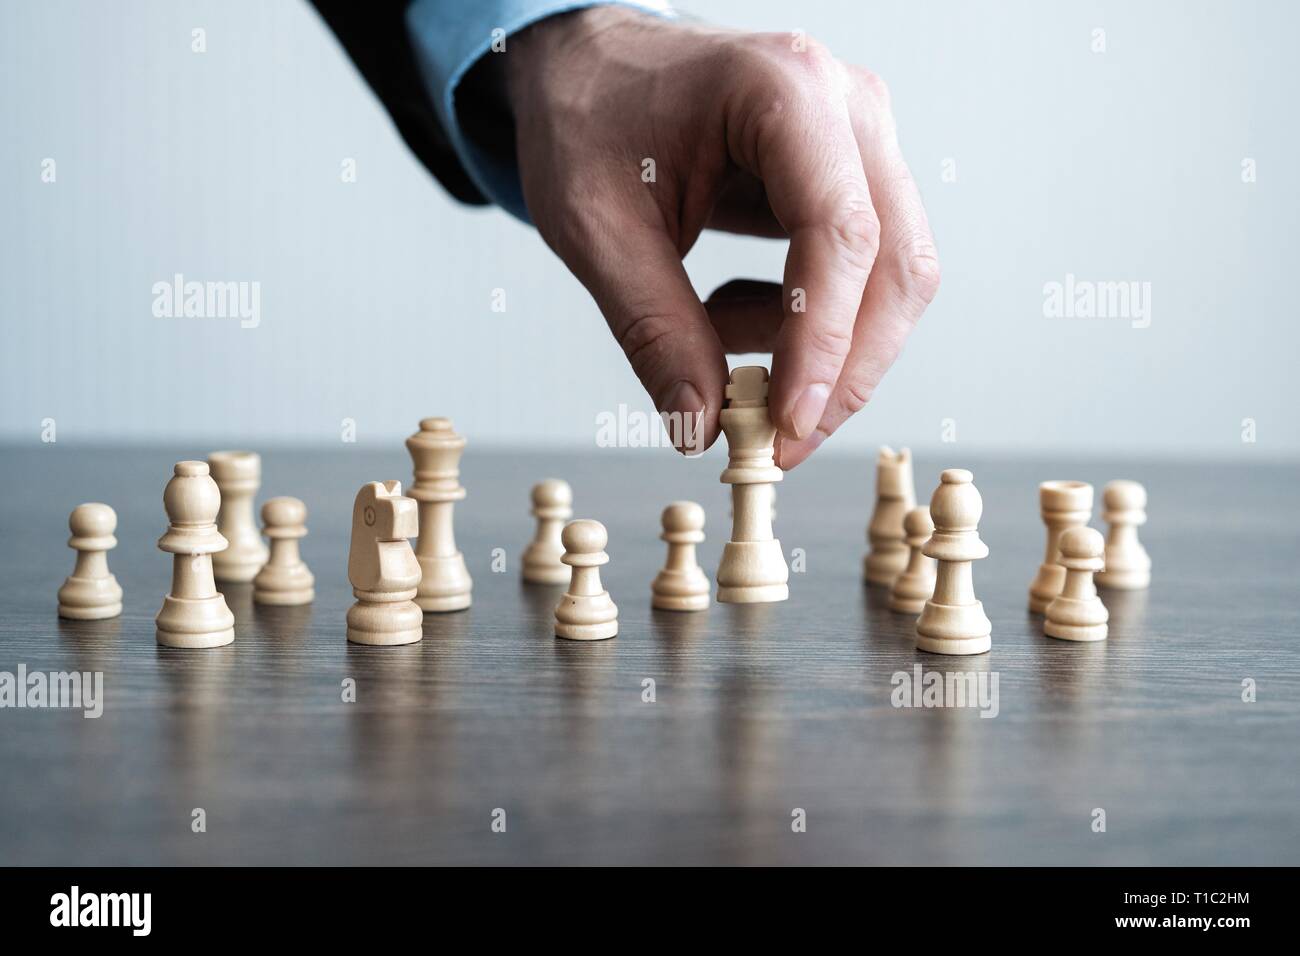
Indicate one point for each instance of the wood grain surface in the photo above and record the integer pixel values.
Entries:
(759, 710)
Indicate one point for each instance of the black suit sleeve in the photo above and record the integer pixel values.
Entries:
(373, 32)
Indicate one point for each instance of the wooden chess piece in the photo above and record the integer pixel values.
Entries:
(1128, 566)
(238, 475)
(552, 507)
(382, 567)
(895, 497)
(952, 620)
(444, 580)
(585, 613)
(753, 569)
(194, 614)
(1064, 505)
(915, 585)
(285, 579)
(91, 592)
(1077, 614)
(681, 585)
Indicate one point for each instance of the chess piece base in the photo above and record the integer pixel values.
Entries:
(444, 583)
(99, 613)
(681, 602)
(385, 624)
(586, 632)
(884, 567)
(760, 594)
(200, 622)
(1075, 632)
(907, 605)
(291, 598)
(1134, 580)
(547, 574)
(1047, 585)
(954, 629)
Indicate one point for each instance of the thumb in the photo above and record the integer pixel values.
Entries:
(636, 277)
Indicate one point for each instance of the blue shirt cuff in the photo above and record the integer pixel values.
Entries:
(449, 36)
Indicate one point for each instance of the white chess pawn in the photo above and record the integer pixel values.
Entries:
(445, 583)
(1077, 614)
(284, 579)
(895, 497)
(953, 621)
(238, 475)
(552, 507)
(194, 614)
(1064, 505)
(681, 585)
(915, 585)
(382, 567)
(1128, 566)
(752, 569)
(585, 613)
(91, 593)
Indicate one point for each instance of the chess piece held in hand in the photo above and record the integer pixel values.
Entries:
(586, 612)
(238, 475)
(382, 567)
(915, 585)
(194, 614)
(1064, 505)
(435, 449)
(285, 579)
(552, 507)
(953, 620)
(1077, 614)
(681, 585)
(1128, 566)
(91, 592)
(752, 569)
(895, 497)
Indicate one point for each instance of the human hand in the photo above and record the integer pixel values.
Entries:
(748, 134)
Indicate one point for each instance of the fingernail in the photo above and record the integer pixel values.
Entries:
(791, 453)
(808, 409)
(683, 418)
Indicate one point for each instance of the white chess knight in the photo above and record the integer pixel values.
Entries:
(753, 569)
(382, 567)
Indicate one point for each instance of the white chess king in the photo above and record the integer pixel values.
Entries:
(753, 569)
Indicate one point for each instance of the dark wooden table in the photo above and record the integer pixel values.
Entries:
(759, 710)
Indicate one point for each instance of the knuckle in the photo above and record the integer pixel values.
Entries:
(921, 272)
(855, 230)
(645, 340)
(856, 395)
(829, 338)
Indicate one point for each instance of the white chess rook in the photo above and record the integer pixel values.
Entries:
(1077, 614)
(953, 621)
(1128, 566)
(194, 614)
(681, 585)
(586, 612)
(435, 449)
(91, 592)
(753, 568)
(285, 579)
(382, 567)
(552, 507)
(1064, 505)
(895, 497)
(238, 475)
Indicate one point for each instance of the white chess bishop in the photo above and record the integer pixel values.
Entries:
(953, 620)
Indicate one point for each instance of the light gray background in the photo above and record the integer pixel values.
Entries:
(376, 295)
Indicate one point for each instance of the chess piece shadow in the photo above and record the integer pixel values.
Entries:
(199, 698)
(1128, 612)
(239, 598)
(678, 636)
(539, 601)
(93, 643)
(282, 625)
